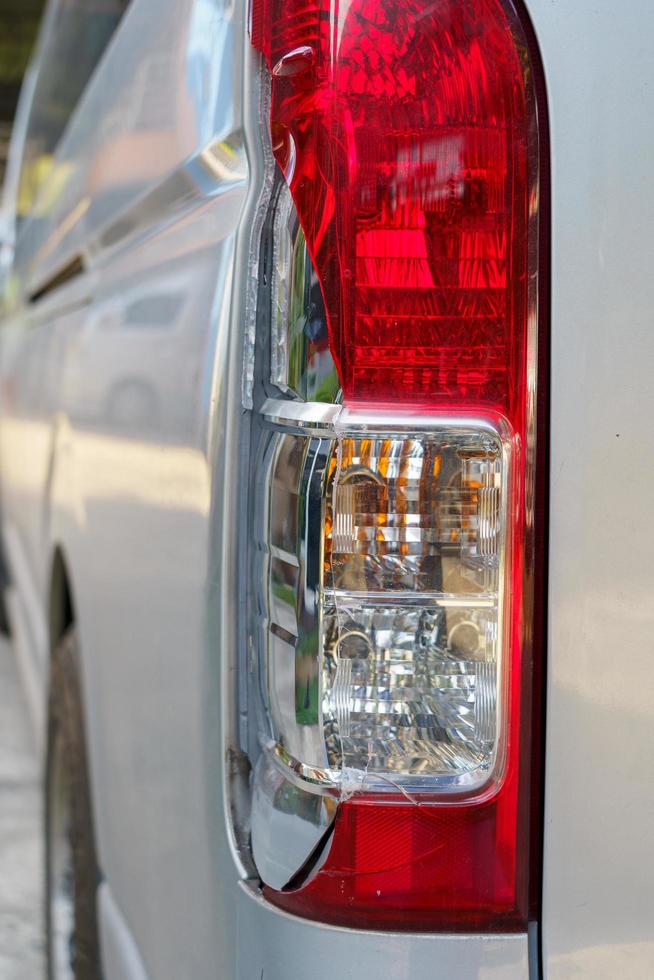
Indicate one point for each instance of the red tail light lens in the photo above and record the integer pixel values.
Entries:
(406, 132)
(402, 129)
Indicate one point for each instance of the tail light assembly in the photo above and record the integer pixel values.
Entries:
(392, 529)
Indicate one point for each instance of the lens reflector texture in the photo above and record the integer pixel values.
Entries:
(301, 361)
(400, 128)
(412, 617)
(289, 565)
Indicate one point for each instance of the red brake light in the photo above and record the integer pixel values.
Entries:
(407, 134)
(402, 130)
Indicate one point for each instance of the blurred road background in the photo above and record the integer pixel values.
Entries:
(18, 22)
(21, 903)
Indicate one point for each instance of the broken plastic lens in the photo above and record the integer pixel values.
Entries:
(384, 619)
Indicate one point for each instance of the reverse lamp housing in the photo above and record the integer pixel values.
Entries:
(385, 673)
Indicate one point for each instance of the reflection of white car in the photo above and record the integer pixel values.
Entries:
(128, 357)
(326, 463)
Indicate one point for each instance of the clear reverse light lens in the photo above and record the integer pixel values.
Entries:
(412, 608)
(384, 622)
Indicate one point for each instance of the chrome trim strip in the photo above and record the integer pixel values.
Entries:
(301, 415)
(310, 778)
(439, 599)
(326, 419)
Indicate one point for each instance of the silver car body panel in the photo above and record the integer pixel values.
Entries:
(598, 909)
(132, 479)
(280, 946)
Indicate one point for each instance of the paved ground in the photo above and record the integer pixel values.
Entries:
(21, 944)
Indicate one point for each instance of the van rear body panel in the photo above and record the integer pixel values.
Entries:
(122, 401)
(598, 898)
